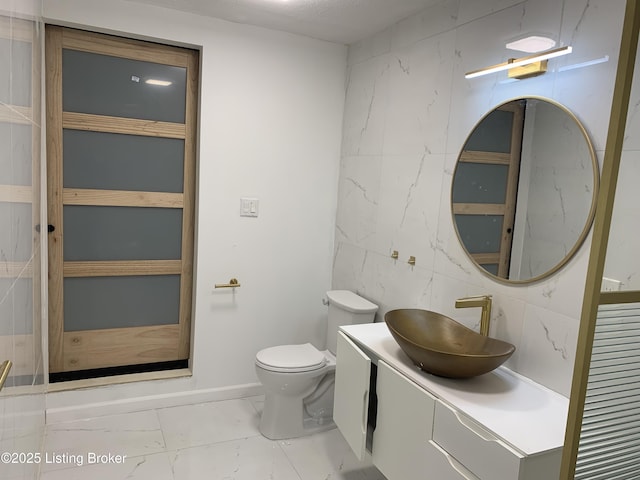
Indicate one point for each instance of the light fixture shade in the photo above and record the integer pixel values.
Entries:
(532, 44)
(519, 62)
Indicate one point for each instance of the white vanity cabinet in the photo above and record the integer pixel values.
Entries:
(352, 381)
(402, 447)
(403, 425)
(499, 426)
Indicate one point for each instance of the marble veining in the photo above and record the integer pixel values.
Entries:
(555, 343)
(372, 99)
(576, 29)
(412, 187)
(362, 189)
(216, 440)
(438, 247)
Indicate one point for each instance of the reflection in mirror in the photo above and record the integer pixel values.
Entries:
(524, 190)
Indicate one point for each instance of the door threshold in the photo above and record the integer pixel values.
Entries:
(117, 379)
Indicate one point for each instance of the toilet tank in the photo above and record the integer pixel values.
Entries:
(346, 308)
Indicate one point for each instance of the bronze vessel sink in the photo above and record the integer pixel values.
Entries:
(441, 346)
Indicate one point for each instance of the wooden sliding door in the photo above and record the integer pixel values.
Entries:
(486, 188)
(121, 126)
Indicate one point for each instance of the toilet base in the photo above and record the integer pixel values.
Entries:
(284, 418)
(311, 426)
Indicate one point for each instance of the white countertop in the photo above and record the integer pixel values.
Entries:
(528, 416)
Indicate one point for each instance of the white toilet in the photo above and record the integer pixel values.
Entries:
(298, 379)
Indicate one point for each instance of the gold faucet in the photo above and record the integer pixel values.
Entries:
(483, 301)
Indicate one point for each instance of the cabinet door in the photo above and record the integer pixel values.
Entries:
(403, 429)
(351, 402)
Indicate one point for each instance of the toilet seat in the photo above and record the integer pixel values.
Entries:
(291, 358)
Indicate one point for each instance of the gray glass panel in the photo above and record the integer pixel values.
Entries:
(119, 302)
(492, 134)
(105, 85)
(122, 233)
(16, 239)
(15, 79)
(16, 306)
(480, 233)
(492, 268)
(15, 168)
(122, 162)
(480, 183)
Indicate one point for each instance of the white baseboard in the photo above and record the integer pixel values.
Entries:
(137, 404)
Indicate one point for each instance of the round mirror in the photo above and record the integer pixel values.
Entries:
(524, 190)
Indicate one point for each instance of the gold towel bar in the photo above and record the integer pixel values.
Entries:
(4, 372)
(233, 283)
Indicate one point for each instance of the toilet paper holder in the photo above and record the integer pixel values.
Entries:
(233, 283)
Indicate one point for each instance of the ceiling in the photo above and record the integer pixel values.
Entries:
(340, 21)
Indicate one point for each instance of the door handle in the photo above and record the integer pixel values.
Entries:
(50, 228)
(4, 372)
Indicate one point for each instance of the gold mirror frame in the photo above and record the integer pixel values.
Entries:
(589, 219)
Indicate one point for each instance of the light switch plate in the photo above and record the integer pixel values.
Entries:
(248, 207)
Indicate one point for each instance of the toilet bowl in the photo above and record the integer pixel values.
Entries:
(287, 383)
(298, 379)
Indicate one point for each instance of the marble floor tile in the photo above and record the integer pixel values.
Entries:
(132, 434)
(147, 467)
(207, 423)
(327, 456)
(258, 404)
(216, 440)
(254, 458)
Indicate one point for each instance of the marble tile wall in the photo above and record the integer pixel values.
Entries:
(623, 262)
(408, 111)
(22, 399)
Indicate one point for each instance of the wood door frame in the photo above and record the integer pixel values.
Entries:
(160, 338)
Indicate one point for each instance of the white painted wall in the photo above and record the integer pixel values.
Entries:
(270, 127)
(408, 111)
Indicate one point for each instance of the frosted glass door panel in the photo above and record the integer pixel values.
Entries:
(16, 242)
(15, 85)
(492, 268)
(480, 183)
(121, 233)
(119, 302)
(493, 134)
(15, 168)
(105, 85)
(16, 307)
(109, 161)
(480, 233)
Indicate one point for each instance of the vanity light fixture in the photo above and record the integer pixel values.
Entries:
(523, 67)
(154, 81)
(532, 44)
(588, 63)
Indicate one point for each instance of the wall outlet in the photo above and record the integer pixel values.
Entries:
(248, 207)
(610, 285)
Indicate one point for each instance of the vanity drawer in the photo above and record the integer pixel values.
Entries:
(443, 466)
(473, 446)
